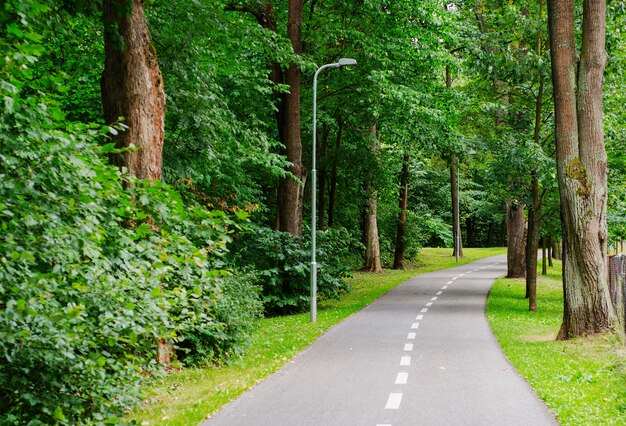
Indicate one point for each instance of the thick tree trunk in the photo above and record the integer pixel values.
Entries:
(372, 245)
(516, 236)
(333, 176)
(456, 220)
(398, 259)
(581, 165)
(132, 87)
(291, 190)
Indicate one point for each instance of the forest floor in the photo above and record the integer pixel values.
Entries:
(188, 395)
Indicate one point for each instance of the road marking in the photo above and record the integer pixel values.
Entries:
(393, 403)
(460, 275)
(411, 336)
(439, 293)
(429, 304)
(408, 347)
(434, 298)
(405, 360)
(454, 278)
(415, 325)
(424, 310)
(419, 317)
(402, 378)
(449, 282)
(383, 424)
(444, 287)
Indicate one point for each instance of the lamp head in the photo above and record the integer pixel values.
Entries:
(346, 61)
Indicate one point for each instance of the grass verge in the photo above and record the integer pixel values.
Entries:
(186, 397)
(583, 381)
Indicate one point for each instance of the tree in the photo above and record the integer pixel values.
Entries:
(291, 190)
(581, 165)
(132, 87)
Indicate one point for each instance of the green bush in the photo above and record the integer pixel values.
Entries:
(283, 264)
(95, 266)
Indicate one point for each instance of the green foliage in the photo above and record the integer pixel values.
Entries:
(283, 264)
(95, 266)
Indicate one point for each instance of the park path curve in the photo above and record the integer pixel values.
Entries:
(422, 354)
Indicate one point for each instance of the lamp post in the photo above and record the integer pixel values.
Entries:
(341, 63)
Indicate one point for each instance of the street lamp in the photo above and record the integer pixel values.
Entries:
(341, 63)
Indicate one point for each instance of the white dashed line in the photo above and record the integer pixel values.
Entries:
(393, 403)
(415, 325)
(434, 298)
(439, 293)
(405, 360)
(419, 317)
(454, 278)
(460, 275)
(449, 282)
(444, 287)
(408, 347)
(424, 310)
(383, 424)
(402, 378)
(411, 336)
(429, 304)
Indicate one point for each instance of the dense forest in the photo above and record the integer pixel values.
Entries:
(155, 170)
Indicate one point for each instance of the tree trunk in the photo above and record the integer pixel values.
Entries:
(516, 236)
(532, 243)
(544, 265)
(291, 190)
(333, 176)
(581, 165)
(372, 246)
(398, 259)
(456, 220)
(550, 251)
(132, 87)
(489, 234)
(534, 212)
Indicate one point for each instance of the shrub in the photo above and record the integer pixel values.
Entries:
(283, 264)
(92, 270)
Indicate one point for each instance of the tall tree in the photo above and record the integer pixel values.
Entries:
(372, 240)
(581, 165)
(132, 87)
(291, 190)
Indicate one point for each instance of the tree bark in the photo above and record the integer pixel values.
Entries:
(516, 236)
(456, 220)
(581, 165)
(550, 251)
(132, 88)
(398, 259)
(372, 246)
(333, 176)
(291, 187)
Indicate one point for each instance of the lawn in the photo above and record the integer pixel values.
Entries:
(582, 381)
(186, 397)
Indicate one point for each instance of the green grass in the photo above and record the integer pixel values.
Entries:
(583, 381)
(186, 397)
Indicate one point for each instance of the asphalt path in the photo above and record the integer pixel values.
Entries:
(423, 354)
